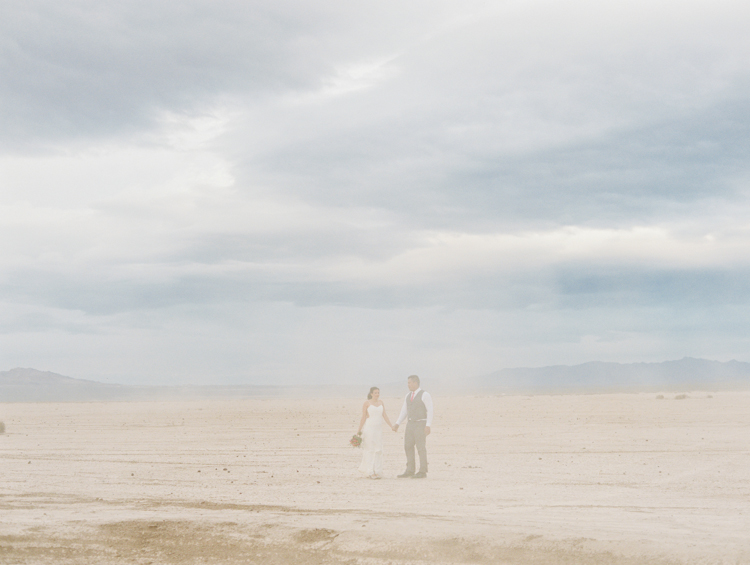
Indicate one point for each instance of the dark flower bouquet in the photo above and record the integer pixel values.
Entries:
(356, 440)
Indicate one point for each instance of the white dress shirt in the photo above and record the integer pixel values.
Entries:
(426, 398)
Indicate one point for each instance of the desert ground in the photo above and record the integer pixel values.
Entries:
(575, 479)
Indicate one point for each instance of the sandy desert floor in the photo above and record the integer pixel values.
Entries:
(588, 479)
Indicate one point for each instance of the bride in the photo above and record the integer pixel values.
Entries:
(371, 428)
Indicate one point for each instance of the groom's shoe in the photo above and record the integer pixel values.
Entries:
(405, 475)
(419, 476)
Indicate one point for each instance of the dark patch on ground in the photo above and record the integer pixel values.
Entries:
(174, 542)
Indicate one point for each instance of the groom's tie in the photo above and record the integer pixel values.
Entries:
(412, 397)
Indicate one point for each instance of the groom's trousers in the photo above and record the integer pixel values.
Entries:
(414, 437)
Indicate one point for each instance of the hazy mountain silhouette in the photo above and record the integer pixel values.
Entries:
(596, 376)
(31, 385)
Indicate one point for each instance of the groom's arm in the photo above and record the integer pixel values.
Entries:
(427, 399)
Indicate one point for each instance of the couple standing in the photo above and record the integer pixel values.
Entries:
(417, 410)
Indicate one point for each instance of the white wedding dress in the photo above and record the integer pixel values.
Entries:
(372, 442)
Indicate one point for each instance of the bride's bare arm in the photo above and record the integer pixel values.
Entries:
(385, 417)
(364, 417)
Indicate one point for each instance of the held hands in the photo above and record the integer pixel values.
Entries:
(426, 429)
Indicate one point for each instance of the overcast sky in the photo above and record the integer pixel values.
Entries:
(214, 191)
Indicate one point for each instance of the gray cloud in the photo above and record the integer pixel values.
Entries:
(591, 287)
(577, 286)
(74, 69)
(77, 70)
(644, 169)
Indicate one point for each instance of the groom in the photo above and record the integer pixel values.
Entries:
(418, 409)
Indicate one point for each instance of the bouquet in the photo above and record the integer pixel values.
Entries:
(356, 440)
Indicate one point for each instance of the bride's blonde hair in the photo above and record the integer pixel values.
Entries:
(369, 394)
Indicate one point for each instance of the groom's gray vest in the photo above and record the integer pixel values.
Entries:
(415, 409)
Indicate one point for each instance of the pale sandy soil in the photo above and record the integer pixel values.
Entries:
(612, 479)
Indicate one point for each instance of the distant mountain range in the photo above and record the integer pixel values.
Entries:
(31, 385)
(685, 374)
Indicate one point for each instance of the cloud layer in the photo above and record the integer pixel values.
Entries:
(295, 192)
